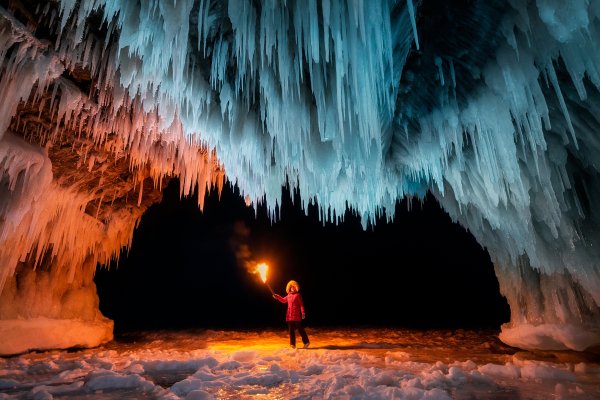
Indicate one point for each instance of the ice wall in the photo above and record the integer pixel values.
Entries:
(73, 166)
(46, 238)
(491, 105)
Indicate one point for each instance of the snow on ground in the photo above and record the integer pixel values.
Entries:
(340, 364)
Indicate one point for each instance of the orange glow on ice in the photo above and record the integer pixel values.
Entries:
(262, 270)
(375, 363)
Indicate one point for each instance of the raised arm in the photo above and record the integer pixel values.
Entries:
(281, 299)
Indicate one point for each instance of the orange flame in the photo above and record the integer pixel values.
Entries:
(262, 269)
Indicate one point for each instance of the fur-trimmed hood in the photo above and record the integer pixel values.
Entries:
(290, 284)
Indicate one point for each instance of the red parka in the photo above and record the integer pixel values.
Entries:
(295, 309)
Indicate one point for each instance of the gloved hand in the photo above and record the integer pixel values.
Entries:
(275, 296)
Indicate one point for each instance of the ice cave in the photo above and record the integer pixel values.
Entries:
(492, 106)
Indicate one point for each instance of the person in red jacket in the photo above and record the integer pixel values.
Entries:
(295, 312)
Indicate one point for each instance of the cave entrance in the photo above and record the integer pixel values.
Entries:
(420, 271)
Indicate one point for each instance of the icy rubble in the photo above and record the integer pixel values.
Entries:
(352, 105)
(346, 364)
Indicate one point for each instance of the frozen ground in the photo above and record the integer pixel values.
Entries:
(341, 364)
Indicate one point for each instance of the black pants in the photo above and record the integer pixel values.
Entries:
(293, 325)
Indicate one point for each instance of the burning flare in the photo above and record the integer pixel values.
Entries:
(262, 269)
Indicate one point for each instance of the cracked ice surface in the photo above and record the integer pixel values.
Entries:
(341, 364)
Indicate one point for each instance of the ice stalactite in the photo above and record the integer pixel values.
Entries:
(522, 172)
(48, 257)
(490, 105)
(79, 164)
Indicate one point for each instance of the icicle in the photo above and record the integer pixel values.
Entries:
(438, 63)
(413, 21)
(452, 74)
(563, 106)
